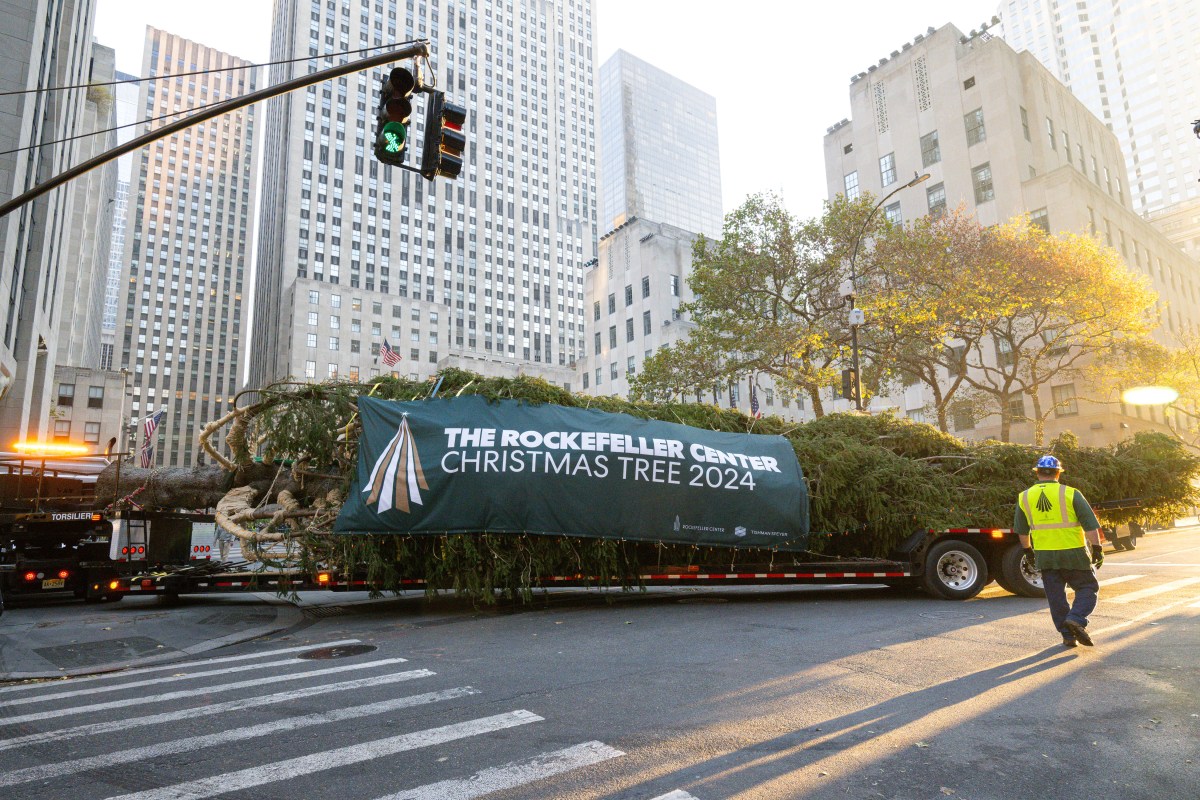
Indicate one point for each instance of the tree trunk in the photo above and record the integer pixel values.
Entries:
(815, 396)
(1039, 422)
(184, 487)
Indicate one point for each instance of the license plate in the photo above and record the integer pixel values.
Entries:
(53, 583)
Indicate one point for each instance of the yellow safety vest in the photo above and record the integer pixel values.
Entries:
(1050, 510)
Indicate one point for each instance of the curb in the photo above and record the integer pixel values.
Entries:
(288, 615)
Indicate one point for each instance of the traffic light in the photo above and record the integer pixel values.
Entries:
(395, 107)
(444, 137)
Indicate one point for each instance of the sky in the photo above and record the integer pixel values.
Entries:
(780, 71)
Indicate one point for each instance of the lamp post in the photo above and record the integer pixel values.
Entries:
(850, 290)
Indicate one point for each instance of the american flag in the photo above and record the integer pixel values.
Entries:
(755, 411)
(150, 426)
(389, 356)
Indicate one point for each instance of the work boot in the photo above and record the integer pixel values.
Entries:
(1069, 640)
(1078, 631)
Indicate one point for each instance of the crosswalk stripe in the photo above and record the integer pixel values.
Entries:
(329, 759)
(678, 794)
(512, 775)
(152, 682)
(176, 665)
(1153, 590)
(1195, 604)
(207, 710)
(185, 693)
(196, 743)
(1119, 579)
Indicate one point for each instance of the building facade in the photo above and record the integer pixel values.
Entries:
(999, 135)
(659, 155)
(1132, 63)
(184, 277)
(484, 269)
(90, 407)
(125, 105)
(90, 228)
(44, 44)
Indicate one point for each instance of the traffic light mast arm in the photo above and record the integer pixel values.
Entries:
(419, 48)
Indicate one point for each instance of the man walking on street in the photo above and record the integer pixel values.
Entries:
(1057, 527)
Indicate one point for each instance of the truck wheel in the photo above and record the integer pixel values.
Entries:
(954, 570)
(1018, 576)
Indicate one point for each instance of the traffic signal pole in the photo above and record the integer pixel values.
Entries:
(413, 49)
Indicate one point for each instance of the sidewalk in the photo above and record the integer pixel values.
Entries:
(49, 638)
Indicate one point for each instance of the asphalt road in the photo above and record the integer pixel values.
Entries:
(818, 692)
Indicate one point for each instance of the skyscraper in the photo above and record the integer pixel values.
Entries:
(659, 158)
(1133, 64)
(483, 271)
(189, 241)
(45, 45)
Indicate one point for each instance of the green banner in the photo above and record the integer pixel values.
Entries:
(464, 465)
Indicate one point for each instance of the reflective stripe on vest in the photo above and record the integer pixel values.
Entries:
(1049, 508)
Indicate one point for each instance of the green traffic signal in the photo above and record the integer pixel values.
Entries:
(393, 135)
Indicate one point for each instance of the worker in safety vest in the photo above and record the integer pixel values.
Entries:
(1056, 527)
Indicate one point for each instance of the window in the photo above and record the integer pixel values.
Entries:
(586, 378)
(646, 323)
(1050, 133)
(597, 342)
(674, 286)
(631, 365)
(1025, 124)
(596, 310)
(332, 372)
(612, 370)
(62, 430)
(66, 394)
(95, 397)
(931, 151)
(1041, 218)
(915, 414)
(981, 178)
(956, 358)
(599, 376)
(333, 343)
(312, 340)
(936, 195)
(629, 329)
(851, 183)
(1065, 404)
(628, 295)
(975, 129)
(310, 369)
(1066, 140)
(969, 82)
(646, 286)
(1016, 408)
(91, 432)
(314, 297)
(892, 212)
(964, 420)
(887, 170)
(312, 318)
(612, 336)
(612, 303)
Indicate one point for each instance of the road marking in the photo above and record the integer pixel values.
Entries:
(176, 665)
(1153, 590)
(678, 794)
(512, 775)
(1120, 579)
(195, 743)
(330, 759)
(109, 728)
(153, 681)
(225, 687)
(1195, 604)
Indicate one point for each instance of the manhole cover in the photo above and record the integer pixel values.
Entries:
(703, 600)
(950, 615)
(325, 611)
(341, 651)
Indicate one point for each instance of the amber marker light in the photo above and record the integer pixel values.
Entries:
(51, 448)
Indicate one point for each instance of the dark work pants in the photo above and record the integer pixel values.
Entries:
(1086, 587)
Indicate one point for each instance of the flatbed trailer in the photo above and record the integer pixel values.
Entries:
(953, 564)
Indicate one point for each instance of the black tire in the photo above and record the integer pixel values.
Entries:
(954, 570)
(114, 597)
(1018, 577)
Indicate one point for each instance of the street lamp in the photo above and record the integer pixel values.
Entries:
(849, 290)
